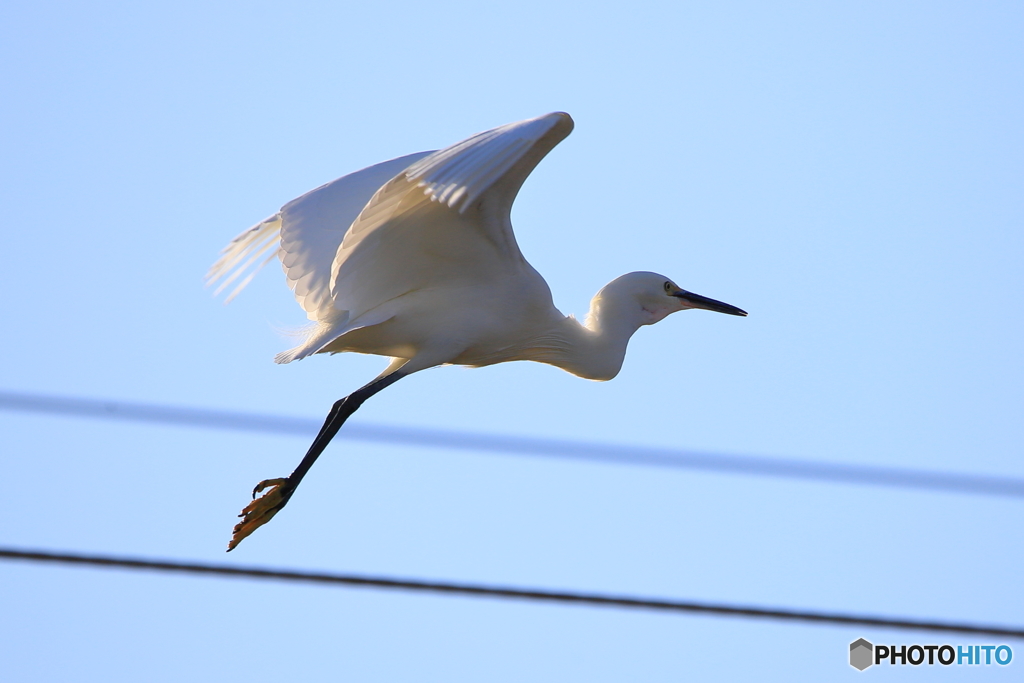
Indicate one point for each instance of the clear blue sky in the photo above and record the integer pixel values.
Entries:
(849, 173)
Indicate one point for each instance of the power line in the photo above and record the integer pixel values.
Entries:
(950, 482)
(478, 590)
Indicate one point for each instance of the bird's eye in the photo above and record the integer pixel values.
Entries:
(668, 286)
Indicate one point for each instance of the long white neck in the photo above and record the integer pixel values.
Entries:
(596, 349)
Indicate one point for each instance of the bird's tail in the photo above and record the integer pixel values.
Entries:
(318, 335)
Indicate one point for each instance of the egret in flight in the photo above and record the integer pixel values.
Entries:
(415, 259)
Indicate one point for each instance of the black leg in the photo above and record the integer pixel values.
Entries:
(340, 412)
(262, 509)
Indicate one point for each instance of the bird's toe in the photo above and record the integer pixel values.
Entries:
(266, 483)
(261, 510)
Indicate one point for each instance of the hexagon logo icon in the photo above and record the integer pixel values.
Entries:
(861, 654)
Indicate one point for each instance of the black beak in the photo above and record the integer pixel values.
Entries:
(697, 301)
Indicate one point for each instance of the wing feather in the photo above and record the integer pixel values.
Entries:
(242, 252)
(306, 232)
(424, 220)
(400, 243)
(459, 175)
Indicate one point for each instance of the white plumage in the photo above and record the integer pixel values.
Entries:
(415, 259)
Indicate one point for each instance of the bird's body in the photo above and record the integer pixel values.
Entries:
(415, 259)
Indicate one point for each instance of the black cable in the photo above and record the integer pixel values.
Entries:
(950, 482)
(477, 590)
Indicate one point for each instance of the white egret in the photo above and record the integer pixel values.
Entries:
(415, 259)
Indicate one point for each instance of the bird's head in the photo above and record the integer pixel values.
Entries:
(651, 297)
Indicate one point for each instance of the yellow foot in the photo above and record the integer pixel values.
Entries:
(261, 510)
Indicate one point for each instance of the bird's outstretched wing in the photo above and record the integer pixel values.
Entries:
(443, 220)
(313, 226)
(305, 234)
(422, 220)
